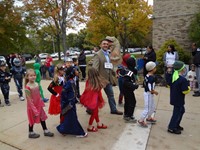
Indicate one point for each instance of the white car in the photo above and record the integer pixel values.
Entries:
(43, 55)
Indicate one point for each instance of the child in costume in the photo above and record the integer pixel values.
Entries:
(55, 88)
(120, 73)
(129, 85)
(18, 72)
(70, 123)
(4, 83)
(149, 91)
(35, 111)
(92, 98)
(192, 78)
(38, 79)
(178, 89)
(76, 78)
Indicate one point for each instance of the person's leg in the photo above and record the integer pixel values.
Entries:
(120, 84)
(91, 120)
(84, 73)
(110, 95)
(173, 124)
(182, 111)
(19, 90)
(144, 114)
(46, 131)
(32, 134)
(198, 80)
(5, 88)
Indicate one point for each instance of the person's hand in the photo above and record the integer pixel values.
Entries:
(136, 85)
(155, 92)
(58, 95)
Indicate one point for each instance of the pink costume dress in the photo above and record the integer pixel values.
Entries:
(35, 105)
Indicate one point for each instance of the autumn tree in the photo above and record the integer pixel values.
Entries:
(194, 29)
(125, 19)
(60, 15)
(12, 29)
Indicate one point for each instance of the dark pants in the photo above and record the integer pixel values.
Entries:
(18, 83)
(176, 117)
(129, 105)
(83, 72)
(121, 94)
(43, 124)
(5, 88)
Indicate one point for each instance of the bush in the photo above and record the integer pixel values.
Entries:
(183, 55)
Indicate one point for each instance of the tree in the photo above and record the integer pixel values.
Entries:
(58, 14)
(194, 29)
(127, 20)
(12, 30)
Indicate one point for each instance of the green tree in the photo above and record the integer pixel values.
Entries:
(60, 15)
(125, 19)
(12, 29)
(194, 29)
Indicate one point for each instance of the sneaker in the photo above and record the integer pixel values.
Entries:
(175, 131)
(180, 128)
(21, 98)
(49, 134)
(33, 135)
(151, 120)
(117, 112)
(130, 119)
(197, 94)
(143, 124)
(8, 104)
(45, 100)
(82, 136)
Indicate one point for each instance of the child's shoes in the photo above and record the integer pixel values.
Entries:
(82, 136)
(93, 129)
(151, 120)
(102, 126)
(49, 134)
(33, 135)
(143, 124)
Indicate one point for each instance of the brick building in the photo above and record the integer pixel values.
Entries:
(171, 19)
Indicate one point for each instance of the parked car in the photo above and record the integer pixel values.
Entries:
(2, 58)
(43, 55)
(87, 52)
(27, 56)
(55, 55)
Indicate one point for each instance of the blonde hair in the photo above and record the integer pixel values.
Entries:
(95, 80)
(56, 72)
(28, 72)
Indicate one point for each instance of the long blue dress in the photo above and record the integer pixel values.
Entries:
(70, 125)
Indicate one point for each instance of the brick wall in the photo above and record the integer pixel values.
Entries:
(171, 19)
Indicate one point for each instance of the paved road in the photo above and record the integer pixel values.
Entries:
(118, 136)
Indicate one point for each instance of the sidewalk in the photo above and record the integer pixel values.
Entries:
(118, 136)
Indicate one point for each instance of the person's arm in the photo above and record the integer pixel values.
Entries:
(96, 62)
(51, 88)
(176, 56)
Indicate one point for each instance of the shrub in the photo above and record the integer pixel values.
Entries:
(183, 55)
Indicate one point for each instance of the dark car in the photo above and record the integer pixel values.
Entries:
(27, 56)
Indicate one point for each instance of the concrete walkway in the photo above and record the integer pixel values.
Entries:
(118, 136)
